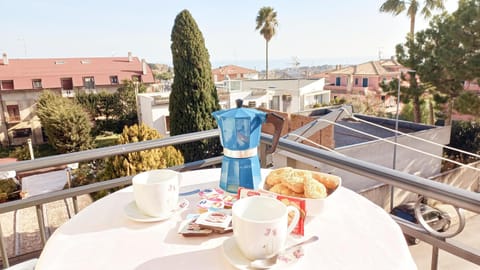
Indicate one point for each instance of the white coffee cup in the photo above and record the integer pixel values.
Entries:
(156, 192)
(260, 225)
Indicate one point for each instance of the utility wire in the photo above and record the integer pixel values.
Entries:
(404, 146)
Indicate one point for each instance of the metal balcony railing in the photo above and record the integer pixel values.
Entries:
(442, 192)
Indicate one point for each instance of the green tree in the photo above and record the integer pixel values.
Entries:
(194, 96)
(267, 24)
(442, 60)
(408, 94)
(412, 7)
(108, 105)
(465, 136)
(467, 32)
(89, 101)
(468, 103)
(127, 96)
(66, 124)
(136, 162)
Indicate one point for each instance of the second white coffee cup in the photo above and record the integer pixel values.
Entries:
(156, 192)
(260, 225)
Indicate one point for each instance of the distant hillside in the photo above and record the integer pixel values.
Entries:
(159, 68)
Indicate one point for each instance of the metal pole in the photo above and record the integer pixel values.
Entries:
(392, 189)
(41, 224)
(434, 264)
(3, 250)
(30, 149)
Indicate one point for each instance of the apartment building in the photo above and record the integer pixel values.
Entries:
(363, 79)
(23, 80)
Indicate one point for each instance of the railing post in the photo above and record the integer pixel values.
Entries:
(434, 265)
(75, 204)
(41, 223)
(3, 250)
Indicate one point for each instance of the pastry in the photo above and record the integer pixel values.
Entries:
(314, 189)
(301, 183)
(276, 176)
(330, 181)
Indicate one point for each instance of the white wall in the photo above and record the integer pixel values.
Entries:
(153, 115)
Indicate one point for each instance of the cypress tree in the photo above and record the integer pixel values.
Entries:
(194, 96)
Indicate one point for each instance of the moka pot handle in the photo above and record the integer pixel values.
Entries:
(277, 122)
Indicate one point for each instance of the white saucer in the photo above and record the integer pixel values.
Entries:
(233, 254)
(133, 213)
(235, 257)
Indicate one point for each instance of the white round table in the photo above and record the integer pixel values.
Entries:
(354, 234)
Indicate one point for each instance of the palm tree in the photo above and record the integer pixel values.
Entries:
(267, 23)
(412, 7)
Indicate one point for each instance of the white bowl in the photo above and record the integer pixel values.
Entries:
(313, 207)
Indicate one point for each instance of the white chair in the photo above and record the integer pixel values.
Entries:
(42, 183)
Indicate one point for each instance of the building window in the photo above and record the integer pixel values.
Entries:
(275, 103)
(136, 78)
(318, 99)
(167, 123)
(113, 79)
(7, 85)
(22, 132)
(88, 83)
(337, 81)
(13, 113)
(37, 84)
(356, 81)
(252, 104)
(365, 82)
(67, 83)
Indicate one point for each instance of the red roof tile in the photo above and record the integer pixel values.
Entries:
(51, 70)
(232, 69)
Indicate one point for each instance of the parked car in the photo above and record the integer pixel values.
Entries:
(436, 218)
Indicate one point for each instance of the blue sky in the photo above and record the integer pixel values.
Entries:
(317, 32)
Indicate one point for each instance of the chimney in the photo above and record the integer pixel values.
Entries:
(5, 59)
(129, 56)
(144, 67)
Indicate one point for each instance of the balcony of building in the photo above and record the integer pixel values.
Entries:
(299, 155)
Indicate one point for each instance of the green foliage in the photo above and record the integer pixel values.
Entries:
(9, 190)
(66, 124)
(88, 102)
(127, 98)
(412, 8)
(167, 75)
(468, 103)
(23, 153)
(407, 113)
(194, 96)
(87, 174)
(112, 111)
(448, 52)
(136, 162)
(465, 136)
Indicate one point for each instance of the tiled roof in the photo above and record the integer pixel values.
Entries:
(382, 67)
(232, 69)
(51, 70)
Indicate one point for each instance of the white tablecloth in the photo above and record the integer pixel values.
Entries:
(354, 234)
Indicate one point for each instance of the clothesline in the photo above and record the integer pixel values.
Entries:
(391, 142)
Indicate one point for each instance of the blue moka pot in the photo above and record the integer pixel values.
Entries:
(240, 130)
